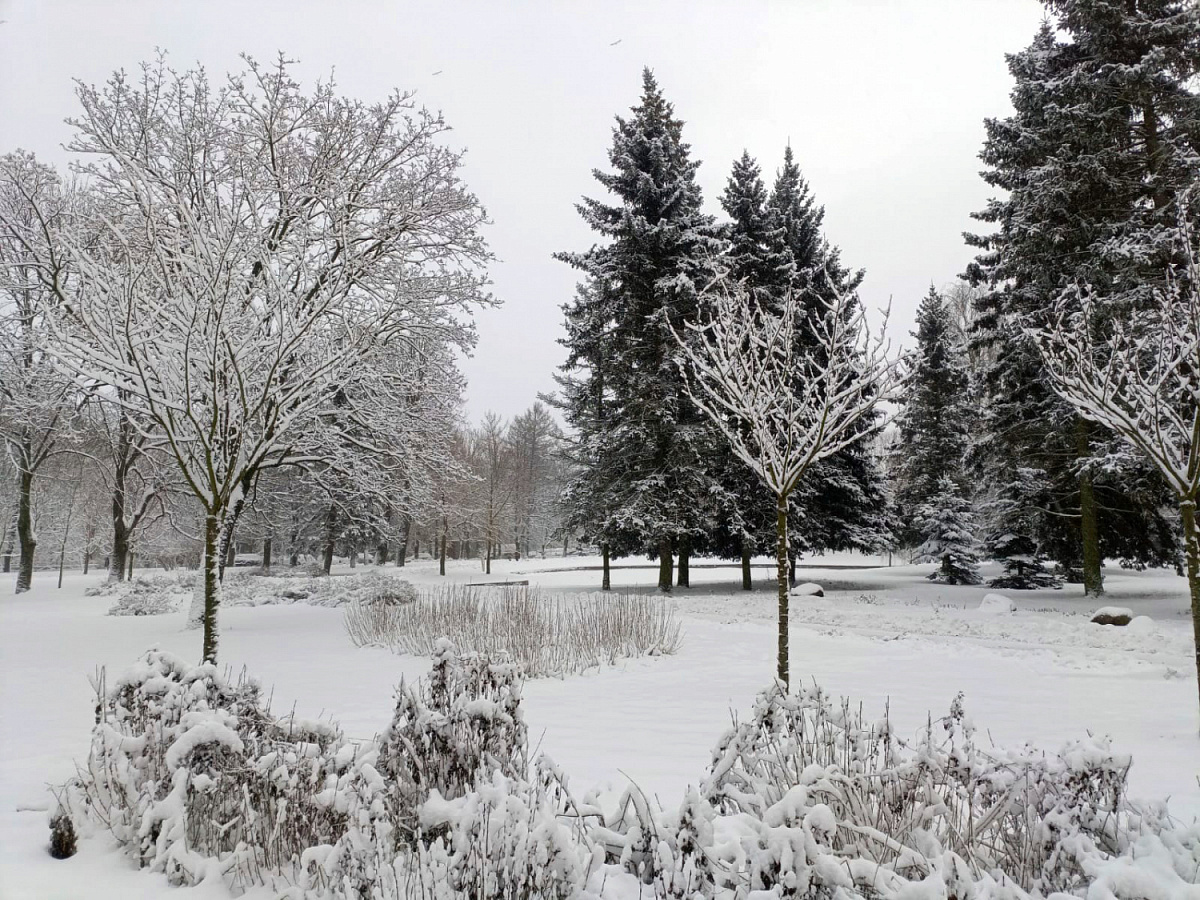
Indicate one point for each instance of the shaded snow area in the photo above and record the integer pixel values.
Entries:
(885, 637)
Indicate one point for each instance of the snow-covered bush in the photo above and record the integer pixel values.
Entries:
(368, 589)
(147, 595)
(545, 634)
(805, 798)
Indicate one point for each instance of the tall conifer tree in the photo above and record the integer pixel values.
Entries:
(660, 253)
(1103, 135)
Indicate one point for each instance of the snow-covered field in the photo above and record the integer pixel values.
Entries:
(880, 635)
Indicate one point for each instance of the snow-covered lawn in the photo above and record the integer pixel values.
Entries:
(880, 635)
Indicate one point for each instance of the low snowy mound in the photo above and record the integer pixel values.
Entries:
(1143, 625)
(805, 797)
(996, 605)
(1113, 615)
(808, 589)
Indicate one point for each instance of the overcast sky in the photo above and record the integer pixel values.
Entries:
(883, 102)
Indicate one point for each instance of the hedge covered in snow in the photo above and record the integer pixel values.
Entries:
(804, 798)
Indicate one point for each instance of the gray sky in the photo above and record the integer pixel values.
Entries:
(883, 103)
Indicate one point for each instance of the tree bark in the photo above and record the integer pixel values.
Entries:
(487, 558)
(330, 537)
(10, 529)
(747, 583)
(212, 586)
(781, 573)
(442, 553)
(87, 559)
(1187, 510)
(665, 564)
(402, 550)
(605, 579)
(26, 537)
(683, 579)
(130, 575)
(294, 545)
(266, 559)
(1089, 527)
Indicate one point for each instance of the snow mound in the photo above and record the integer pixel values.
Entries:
(1113, 615)
(1143, 625)
(996, 605)
(808, 589)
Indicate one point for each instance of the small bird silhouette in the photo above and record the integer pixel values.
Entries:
(617, 41)
(438, 72)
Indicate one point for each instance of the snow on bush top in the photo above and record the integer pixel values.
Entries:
(805, 798)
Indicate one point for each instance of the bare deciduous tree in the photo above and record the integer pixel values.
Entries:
(783, 408)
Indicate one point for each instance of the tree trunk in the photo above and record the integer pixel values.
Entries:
(781, 574)
(119, 557)
(402, 550)
(294, 545)
(665, 564)
(87, 559)
(25, 534)
(353, 555)
(383, 552)
(605, 580)
(212, 586)
(487, 558)
(266, 559)
(10, 529)
(130, 575)
(747, 583)
(442, 553)
(1089, 527)
(566, 542)
(791, 569)
(683, 579)
(1187, 510)
(330, 537)
(417, 547)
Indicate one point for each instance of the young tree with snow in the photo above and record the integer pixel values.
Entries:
(934, 421)
(783, 407)
(945, 521)
(261, 245)
(1143, 381)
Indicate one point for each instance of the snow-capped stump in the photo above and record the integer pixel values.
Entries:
(1113, 615)
(808, 589)
(996, 605)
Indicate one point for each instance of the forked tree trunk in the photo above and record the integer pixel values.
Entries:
(1191, 540)
(665, 564)
(747, 583)
(781, 573)
(605, 578)
(1089, 526)
(685, 556)
(212, 586)
(26, 537)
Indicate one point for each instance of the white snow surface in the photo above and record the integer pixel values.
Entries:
(997, 605)
(1043, 674)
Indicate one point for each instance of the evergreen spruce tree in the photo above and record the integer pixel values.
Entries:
(947, 524)
(842, 502)
(643, 482)
(935, 420)
(1103, 135)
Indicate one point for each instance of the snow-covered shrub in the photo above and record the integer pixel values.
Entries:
(1025, 572)
(63, 840)
(369, 589)
(545, 634)
(147, 595)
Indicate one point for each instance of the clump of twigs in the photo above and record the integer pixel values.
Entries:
(546, 634)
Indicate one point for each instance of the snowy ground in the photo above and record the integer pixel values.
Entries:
(881, 635)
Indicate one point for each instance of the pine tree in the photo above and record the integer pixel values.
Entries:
(653, 490)
(935, 420)
(842, 502)
(948, 527)
(1103, 134)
